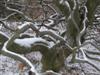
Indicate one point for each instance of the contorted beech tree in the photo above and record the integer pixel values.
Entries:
(58, 34)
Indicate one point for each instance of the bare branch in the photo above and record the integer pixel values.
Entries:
(7, 27)
(94, 53)
(93, 58)
(21, 13)
(78, 38)
(87, 61)
(8, 17)
(18, 57)
(57, 37)
(71, 16)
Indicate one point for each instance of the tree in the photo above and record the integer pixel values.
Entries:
(58, 34)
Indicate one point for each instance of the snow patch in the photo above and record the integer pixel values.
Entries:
(27, 42)
(51, 44)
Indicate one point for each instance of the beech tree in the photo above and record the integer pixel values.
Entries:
(57, 27)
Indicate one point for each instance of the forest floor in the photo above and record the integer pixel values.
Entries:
(9, 66)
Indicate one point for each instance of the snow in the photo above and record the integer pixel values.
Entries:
(98, 18)
(4, 34)
(51, 44)
(23, 25)
(18, 57)
(0, 26)
(96, 15)
(67, 4)
(50, 22)
(29, 23)
(34, 56)
(43, 29)
(61, 1)
(36, 25)
(27, 42)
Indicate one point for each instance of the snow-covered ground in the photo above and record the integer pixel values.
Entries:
(9, 66)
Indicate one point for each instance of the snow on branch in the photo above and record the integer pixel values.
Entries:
(3, 34)
(22, 29)
(8, 53)
(28, 42)
(94, 53)
(78, 39)
(53, 21)
(86, 57)
(67, 4)
(17, 57)
(55, 36)
(79, 60)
